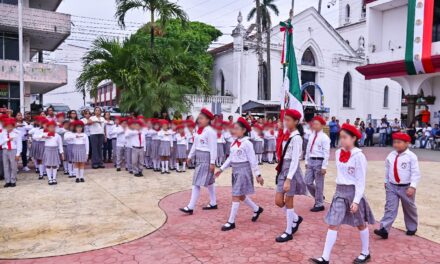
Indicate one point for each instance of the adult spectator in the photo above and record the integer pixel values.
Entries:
(362, 128)
(369, 131)
(107, 150)
(411, 131)
(337, 135)
(433, 139)
(395, 126)
(383, 132)
(96, 126)
(72, 115)
(230, 119)
(334, 130)
(28, 117)
(425, 115)
(50, 114)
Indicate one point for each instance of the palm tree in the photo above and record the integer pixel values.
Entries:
(163, 9)
(266, 22)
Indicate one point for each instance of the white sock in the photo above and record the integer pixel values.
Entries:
(212, 197)
(70, 168)
(44, 169)
(77, 173)
(162, 164)
(295, 217)
(49, 174)
(289, 221)
(183, 166)
(177, 165)
(248, 201)
(41, 169)
(194, 197)
(166, 165)
(54, 173)
(66, 166)
(365, 239)
(329, 243)
(234, 210)
(154, 164)
(81, 173)
(270, 157)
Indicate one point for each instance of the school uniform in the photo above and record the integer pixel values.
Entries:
(289, 166)
(61, 131)
(24, 129)
(181, 150)
(11, 143)
(136, 139)
(53, 147)
(148, 141)
(190, 139)
(220, 149)
(173, 151)
(270, 145)
(317, 155)
(258, 144)
(128, 151)
(120, 145)
(204, 152)
(107, 151)
(68, 155)
(87, 132)
(228, 141)
(79, 151)
(401, 172)
(155, 143)
(166, 143)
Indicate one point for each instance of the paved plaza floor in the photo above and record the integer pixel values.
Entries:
(117, 218)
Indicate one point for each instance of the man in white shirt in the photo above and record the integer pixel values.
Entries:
(96, 128)
(317, 155)
(402, 175)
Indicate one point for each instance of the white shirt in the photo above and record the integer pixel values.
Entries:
(383, 128)
(228, 137)
(15, 143)
(121, 141)
(353, 172)
(407, 168)
(181, 140)
(135, 138)
(97, 126)
(54, 141)
(190, 136)
(86, 127)
(206, 141)
(109, 125)
(321, 148)
(307, 132)
(155, 134)
(293, 152)
(77, 139)
(268, 135)
(243, 153)
(68, 137)
(166, 136)
(36, 133)
(258, 137)
(24, 129)
(220, 139)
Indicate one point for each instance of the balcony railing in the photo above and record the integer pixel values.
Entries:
(50, 74)
(194, 98)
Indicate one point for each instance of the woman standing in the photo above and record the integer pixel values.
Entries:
(349, 206)
(108, 139)
(23, 127)
(96, 128)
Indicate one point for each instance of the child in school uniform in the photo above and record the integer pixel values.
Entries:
(173, 149)
(289, 178)
(10, 140)
(258, 142)
(270, 146)
(181, 148)
(220, 146)
(148, 131)
(53, 148)
(317, 155)
(190, 134)
(121, 141)
(349, 206)
(244, 167)
(166, 143)
(228, 137)
(62, 127)
(128, 147)
(136, 139)
(38, 145)
(80, 149)
(402, 175)
(68, 139)
(155, 143)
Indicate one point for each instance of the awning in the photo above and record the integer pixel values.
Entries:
(260, 106)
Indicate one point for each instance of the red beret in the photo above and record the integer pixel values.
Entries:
(60, 114)
(122, 119)
(207, 113)
(43, 120)
(140, 117)
(51, 123)
(320, 119)
(258, 126)
(190, 123)
(245, 123)
(153, 120)
(163, 122)
(352, 129)
(293, 114)
(77, 123)
(9, 121)
(180, 127)
(401, 136)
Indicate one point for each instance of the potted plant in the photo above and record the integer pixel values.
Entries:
(430, 99)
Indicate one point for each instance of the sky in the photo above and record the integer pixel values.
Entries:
(95, 18)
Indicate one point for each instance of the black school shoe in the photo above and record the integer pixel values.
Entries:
(257, 214)
(383, 233)
(40, 177)
(317, 209)
(295, 229)
(411, 233)
(12, 185)
(362, 259)
(7, 185)
(319, 261)
(210, 207)
(284, 238)
(118, 169)
(81, 180)
(186, 210)
(228, 226)
(77, 180)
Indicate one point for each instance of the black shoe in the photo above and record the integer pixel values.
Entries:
(411, 233)
(94, 167)
(365, 259)
(295, 229)
(118, 169)
(162, 172)
(284, 238)
(50, 183)
(126, 169)
(66, 173)
(101, 166)
(40, 177)
(319, 261)
(130, 172)
(383, 233)
(7, 185)
(44, 174)
(54, 182)
(81, 180)
(72, 176)
(186, 210)
(77, 180)
(210, 207)
(141, 174)
(167, 172)
(13, 185)
(138, 175)
(228, 226)
(257, 214)
(317, 209)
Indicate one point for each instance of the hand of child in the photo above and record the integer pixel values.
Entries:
(260, 180)
(286, 186)
(354, 208)
(217, 174)
(212, 168)
(323, 172)
(410, 191)
(62, 156)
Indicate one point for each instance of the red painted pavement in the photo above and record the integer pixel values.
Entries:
(198, 239)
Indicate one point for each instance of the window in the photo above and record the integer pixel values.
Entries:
(385, 96)
(9, 2)
(308, 58)
(10, 96)
(346, 94)
(9, 46)
(436, 22)
(222, 84)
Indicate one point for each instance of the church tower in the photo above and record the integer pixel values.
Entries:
(351, 11)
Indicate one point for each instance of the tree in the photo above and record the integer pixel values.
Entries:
(161, 8)
(266, 23)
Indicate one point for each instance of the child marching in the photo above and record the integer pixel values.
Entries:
(258, 142)
(349, 207)
(10, 140)
(317, 155)
(270, 146)
(181, 148)
(53, 148)
(136, 139)
(289, 180)
(80, 149)
(402, 176)
(166, 142)
(204, 152)
(121, 142)
(244, 165)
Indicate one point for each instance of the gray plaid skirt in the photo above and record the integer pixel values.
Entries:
(37, 150)
(173, 150)
(339, 212)
(148, 142)
(68, 153)
(227, 148)
(181, 152)
(258, 147)
(220, 150)
(297, 184)
(271, 145)
(165, 149)
(51, 157)
(242, 179)
(155, 143)
(202, 175)
(78, 153)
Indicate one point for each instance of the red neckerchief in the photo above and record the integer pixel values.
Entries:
(272, 132)
(9, 143)
(219, 135)
(236, 142)
(286, 135)
(182, 134)
(344, 156)
(200, 130)
(51, 134)
(45, 131)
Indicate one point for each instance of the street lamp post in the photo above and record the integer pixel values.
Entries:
(20, 53)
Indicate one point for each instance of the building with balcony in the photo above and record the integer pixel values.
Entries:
(43, 30)
(107, 94)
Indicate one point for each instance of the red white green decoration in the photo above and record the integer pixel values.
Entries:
(419, 37)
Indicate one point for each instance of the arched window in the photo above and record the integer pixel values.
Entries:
(346, 94)
(222, 84)
(347, 11)
(385, 96)
(308, 58)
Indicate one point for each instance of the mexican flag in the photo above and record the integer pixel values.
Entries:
(419, 37)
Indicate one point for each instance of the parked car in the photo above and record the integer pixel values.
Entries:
(114, 111)
(57, 107)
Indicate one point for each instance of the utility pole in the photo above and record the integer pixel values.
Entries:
(291, 9)
(20, 54)
(319, 6)
(259, 52)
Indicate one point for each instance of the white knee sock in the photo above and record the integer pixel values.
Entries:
(49, 174)
(54, 173)
(294, 217)
(66, 166)
(44, 169)
(154, 164)
(41, 169)
(183, 166)
(70, 169)
(270, 157)
(289, 221)
(77, 173)
(81, 173)
(330, 241)
(212, 197)
(234, 210)
(365, 239)
(162, 164)
(194, 197)
(177, 166)
(166, 165)
(248, 201)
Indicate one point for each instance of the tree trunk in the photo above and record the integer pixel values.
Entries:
(268, 66)
(259, 52)
(152, 29)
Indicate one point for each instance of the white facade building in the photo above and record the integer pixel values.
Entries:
(327, 59)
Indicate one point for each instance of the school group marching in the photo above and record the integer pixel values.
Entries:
(161, 145)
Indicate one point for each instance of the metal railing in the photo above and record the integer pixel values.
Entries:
(194, 98)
